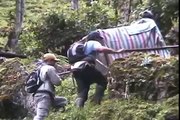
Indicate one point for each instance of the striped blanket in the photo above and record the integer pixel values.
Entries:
(140, 37)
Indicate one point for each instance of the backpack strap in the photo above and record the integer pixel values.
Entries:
(85, 45)
(39, 69)
(38, 74)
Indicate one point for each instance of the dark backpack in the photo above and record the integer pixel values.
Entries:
(33, 81)
(76, 53)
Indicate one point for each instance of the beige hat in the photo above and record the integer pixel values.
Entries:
(50, 56)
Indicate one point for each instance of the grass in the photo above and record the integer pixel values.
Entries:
(114, 109)
(33, 9)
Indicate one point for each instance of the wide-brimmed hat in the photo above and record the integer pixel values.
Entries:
(50, 56)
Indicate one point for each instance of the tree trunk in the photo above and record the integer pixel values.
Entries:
(129, 10)
(13, 36)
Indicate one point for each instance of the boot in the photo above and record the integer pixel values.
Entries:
(79, 102)
(59, 103)
(98, 95)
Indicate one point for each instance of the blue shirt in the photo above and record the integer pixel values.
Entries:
(91, 46)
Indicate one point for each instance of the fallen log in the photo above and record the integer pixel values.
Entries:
(11, 55)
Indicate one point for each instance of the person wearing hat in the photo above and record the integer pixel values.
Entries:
(45, 97)
(147, 14)
(146, 17)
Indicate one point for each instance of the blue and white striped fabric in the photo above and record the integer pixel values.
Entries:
(125, 37)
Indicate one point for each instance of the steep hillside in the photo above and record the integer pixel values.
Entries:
(134, 108)
(34, 9)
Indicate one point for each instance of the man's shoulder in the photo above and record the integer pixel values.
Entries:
(47, 67)
(93, 42)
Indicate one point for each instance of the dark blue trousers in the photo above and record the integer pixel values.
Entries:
(84, 78)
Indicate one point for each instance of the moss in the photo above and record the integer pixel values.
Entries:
(10, 77)
(146, 75)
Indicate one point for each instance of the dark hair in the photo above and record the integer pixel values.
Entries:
(147, 14)
(94, 35)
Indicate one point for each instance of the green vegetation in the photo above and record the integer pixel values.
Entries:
(115, 109)
(51, 25)
(147, 76)
(133, 108)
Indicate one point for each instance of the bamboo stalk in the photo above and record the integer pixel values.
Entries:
(155, 48)
(64, 73)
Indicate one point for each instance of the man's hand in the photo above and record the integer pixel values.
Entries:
(120, 50)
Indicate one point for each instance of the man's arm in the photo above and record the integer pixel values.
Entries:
(54, 77)
(108, 50)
